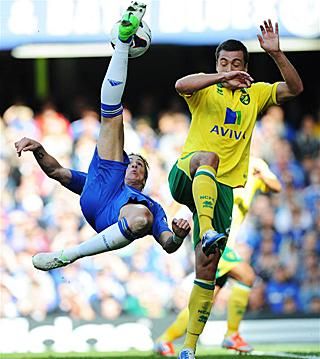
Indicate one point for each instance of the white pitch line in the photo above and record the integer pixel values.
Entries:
(283, 355)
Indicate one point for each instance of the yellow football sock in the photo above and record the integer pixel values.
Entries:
(237, 306)
(204, 190)
(200, 304)
(178, 328)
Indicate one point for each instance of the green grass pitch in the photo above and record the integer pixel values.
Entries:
(297, 351)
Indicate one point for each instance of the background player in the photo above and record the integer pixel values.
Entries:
(260, 178)
(111, 198)
(214, 160)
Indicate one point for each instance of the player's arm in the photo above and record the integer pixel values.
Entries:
(169, 241)
(269, 42)
(272, 183)
(189, 84)
(50, 166)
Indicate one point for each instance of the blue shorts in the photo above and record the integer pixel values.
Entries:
(104, 192)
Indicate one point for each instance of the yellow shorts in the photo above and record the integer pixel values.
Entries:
(180, 183)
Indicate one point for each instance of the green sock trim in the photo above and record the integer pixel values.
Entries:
(205, 284)
(242, 286)
(205, 173)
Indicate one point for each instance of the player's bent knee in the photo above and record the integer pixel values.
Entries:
(250, 277)
(211, 159)
(244, 273)
(205, 159)
(141, 222)
(140, 226)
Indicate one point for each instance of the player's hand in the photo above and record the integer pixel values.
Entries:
(269, 38)
(180, 227)
(26, 144)
(237, 79)
(259, 168)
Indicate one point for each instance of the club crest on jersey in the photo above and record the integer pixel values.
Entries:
(245, 97)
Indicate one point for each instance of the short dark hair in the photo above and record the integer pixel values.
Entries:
(145, 162)
(233, 45)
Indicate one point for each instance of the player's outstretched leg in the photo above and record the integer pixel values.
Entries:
(110, 140)
(131, 20)
(116, 236)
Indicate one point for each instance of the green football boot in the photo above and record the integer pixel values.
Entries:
(130, 21)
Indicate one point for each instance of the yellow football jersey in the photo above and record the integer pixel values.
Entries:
(223, 121)
(243, 196)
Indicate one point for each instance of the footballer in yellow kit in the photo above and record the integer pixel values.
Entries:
(224, 108)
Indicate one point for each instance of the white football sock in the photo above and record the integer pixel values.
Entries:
(109, 239)
(116, 76)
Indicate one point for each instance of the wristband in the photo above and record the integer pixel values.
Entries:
(176, 239)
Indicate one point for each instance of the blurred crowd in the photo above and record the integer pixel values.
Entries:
(281, 233)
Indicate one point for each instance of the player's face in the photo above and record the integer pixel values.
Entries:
(230, 61)
(135, 172)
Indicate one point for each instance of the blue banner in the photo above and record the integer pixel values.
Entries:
(192, 22)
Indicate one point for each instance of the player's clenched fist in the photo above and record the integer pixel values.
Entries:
(26, 144)
(180, 227)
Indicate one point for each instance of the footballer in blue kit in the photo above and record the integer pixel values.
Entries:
(104, 192)
(111, 195)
